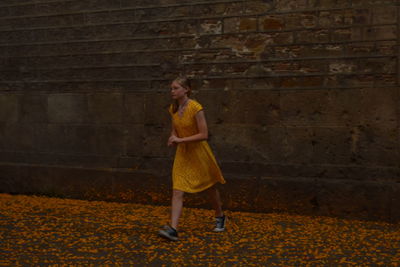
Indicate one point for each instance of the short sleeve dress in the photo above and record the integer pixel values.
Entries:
(195, 168)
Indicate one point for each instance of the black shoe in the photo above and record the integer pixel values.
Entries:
(220, 224)
(169, 233)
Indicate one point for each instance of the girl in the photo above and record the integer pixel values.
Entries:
(195, 168)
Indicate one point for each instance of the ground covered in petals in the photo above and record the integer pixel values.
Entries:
(51, 231)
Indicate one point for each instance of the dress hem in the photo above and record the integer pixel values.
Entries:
(198, 191)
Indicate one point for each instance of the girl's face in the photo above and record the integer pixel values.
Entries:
(177, 90)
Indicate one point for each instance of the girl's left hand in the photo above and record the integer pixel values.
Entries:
(174, 139)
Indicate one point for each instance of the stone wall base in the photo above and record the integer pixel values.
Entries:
(366, 200)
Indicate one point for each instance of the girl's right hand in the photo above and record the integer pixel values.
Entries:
(170, 142)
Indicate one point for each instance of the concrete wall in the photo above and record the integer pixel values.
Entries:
(301, 97)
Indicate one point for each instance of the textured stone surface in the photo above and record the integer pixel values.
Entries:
(33, 108)
(290, 88)
(9, 107)
(67, 108)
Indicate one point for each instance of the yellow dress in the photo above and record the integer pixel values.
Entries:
(195, 168)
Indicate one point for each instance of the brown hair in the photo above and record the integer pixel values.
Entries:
(185, 83)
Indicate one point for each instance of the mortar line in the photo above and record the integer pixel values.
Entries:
(191, 36)
(115, 9)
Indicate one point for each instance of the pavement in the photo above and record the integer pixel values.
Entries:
(43, 231)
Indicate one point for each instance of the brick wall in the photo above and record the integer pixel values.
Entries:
(305, 92)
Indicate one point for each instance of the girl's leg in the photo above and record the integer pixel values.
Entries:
(215, 200)
(176, 209)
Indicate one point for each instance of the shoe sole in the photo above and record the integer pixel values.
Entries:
(164, 234)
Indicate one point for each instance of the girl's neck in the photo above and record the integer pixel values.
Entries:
(182, 101)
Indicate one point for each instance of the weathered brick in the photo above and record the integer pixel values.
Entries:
(361, 80)
(211, 26)
(342, 67)
(386, 47)
(282, 38)
(275, 22)
(315, 36)
(293, 82)
(361, 16)
(254, 83)
(383, 15)
(311, 66)
(252, 7)
(218, 9)
(248, 24)
(341, 35)
(337, 18)
(301, 20)
(364, 48)
(382, 32)
(333, 3)
(256, 43)
(285, 5)
(324, 19)
(377, 65)
(240, 24)
(390, 79)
